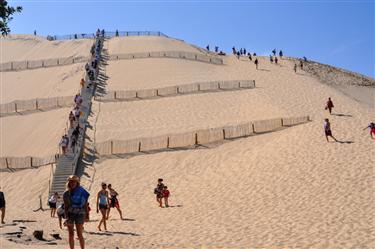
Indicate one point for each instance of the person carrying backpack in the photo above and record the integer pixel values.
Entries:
(158, 191)
(76, 211)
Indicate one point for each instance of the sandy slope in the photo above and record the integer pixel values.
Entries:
(41, 83)
(35, 134)
(138, 44)
(287, 189)
(28, 47)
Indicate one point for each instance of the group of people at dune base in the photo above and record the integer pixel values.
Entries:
(327, 125)
(161, 191)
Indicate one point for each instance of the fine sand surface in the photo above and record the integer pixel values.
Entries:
(127, 120)
(139, 44)
(41, 83)
(285, 189)
(36, 134)
(29, 47)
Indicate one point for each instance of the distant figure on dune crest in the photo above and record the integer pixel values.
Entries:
(329, 105)
(274, 52)
(208, 47)
(295, 67)
(238, 55)
(241, 51)
(221, 53)
(52, 201)
(276, 60)
(75, 204)
(327, 130)
(256, 63)
(271, 59)
(34, 32)
(301, 64)
(116, 33)
(113, 201)
(102, 204)
(254, 54)
(2, 207)
(281, 54)
(158, 191)
(216, 49)
(234, 50)
(250, 58)
(244, 51)
(371, 126)
(304, 59)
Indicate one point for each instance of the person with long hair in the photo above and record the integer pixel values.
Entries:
(102, 204)
(114, 203)
(75, 204)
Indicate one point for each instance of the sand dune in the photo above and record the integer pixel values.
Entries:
(286, 189)
(41, 83)
(32, 135)
(137, 44)
(28, 47)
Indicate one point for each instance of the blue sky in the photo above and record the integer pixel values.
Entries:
(340, 33)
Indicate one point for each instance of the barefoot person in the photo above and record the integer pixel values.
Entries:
(329, 105)
(327, 130)
(75, 204)
(102, 205)
(2, 207)
(52, 201)
(113, 203)
(371, 126)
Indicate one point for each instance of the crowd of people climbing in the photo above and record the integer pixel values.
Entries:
(69, 140)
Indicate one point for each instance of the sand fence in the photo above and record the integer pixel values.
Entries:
(26, 162)
(20, 106)
(211, 86)
(199, 137)
(33, 64)
(170, 54)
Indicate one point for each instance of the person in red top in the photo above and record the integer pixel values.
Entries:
(329, 105)
(166, 195)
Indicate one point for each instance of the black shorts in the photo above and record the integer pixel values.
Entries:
(102, 206)
(52, 205)
(328, 133)
(2, 204)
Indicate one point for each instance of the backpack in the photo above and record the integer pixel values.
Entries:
(156, 191)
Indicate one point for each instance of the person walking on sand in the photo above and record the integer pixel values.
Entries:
(281, 54)
(75, 204)
(2, 206)
(61, 214)
(371, 126)
(52, 201)
(166, 195)
(256, 63)
(329, 105)
(276, 60)
(158, 191)
(238, 55)
(295, 67)
(271, 59)
(250, 58)
(102, 204)
(64, 144)
(113, 203)
(327, 130)
(301, 64)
